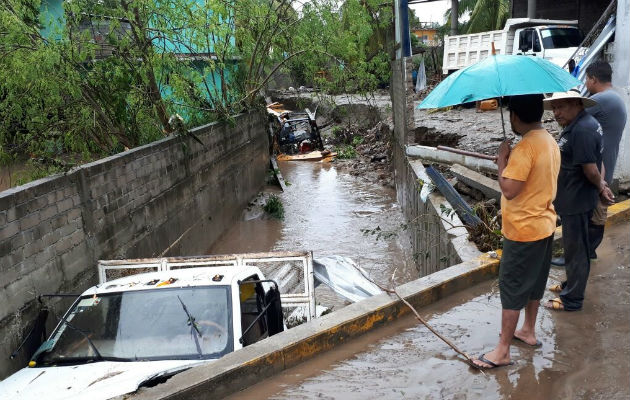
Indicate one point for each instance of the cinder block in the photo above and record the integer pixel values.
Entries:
(74, 214)
(9, 230)
(44, 256)
(29, 221)
(48, 212)
(64, 204)
(32, 248)
(77, 237)
(58, 222)
(51, 238)
(63, 245)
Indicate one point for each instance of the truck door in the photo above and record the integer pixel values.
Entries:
(251, 296)
(528, 42)
(261, 309)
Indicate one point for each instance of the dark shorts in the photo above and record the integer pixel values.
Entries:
(524, 271)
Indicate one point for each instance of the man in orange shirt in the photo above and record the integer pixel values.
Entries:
(528, 176)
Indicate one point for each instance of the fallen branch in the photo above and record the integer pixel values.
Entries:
(468, 360)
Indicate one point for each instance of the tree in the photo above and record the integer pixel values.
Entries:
(114, 72)
(484, 15)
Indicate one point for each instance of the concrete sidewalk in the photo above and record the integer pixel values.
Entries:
(584, 354)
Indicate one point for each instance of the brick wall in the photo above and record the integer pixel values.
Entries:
(171, 197)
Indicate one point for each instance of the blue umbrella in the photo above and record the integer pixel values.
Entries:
(500, 75)
(497, 76)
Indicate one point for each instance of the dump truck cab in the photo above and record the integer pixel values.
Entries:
(553, 40)
(555, 43)
(160, 317)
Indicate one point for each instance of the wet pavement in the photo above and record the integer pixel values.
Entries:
(584, 354)
(325, 211)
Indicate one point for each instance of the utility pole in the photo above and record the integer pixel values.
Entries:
(404, 22)
(531, 9)
(401, 23)
(454, 12)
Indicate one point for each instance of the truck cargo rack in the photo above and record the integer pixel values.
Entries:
(293, 271)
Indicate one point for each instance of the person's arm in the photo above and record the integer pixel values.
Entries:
(592, 174)
(509, 187)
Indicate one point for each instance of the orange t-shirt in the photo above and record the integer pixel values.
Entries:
(535, 160)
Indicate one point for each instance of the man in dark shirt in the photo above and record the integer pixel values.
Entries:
(610, 112)
(580, 186)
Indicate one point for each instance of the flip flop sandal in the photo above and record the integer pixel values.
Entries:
(537, 344)
(491, 364)
(556, 304)
(555, 288)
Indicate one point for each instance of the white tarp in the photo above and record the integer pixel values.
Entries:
(345, 277)
(421, 80)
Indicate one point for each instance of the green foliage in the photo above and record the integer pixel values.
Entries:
(448, 212)
(346, 152)
(111, 74)
(357, 140)
(485, 15)
(379, 234)
(274, 207)
(347, 45)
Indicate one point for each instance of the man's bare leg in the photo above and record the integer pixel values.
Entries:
(501, 354)
(527, 333)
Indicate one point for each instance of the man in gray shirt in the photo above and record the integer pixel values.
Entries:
(610, 112)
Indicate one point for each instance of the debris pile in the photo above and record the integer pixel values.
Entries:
(368, 151)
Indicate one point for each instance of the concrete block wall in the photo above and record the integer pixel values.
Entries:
(399, 102)
(437, 242)
(171, 197)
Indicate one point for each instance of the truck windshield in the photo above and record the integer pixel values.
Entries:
(560, 38)
(145, 325)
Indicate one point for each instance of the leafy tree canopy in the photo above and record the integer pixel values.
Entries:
(114, 72)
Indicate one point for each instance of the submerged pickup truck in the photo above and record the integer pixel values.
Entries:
(149, 319)
(553, 40)
(160, 317)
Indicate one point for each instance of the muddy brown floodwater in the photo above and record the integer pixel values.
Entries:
(584, 354)
(325, 210)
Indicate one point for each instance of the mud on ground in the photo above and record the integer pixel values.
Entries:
(467, 129)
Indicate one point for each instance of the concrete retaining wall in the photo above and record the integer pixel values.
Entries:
(171, 197)
(438, 241)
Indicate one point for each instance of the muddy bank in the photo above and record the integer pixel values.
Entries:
(584, 355)
(467, 129)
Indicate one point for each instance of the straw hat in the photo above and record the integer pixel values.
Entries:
(571, 94)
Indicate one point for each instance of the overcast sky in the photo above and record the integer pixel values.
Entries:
(431, 12)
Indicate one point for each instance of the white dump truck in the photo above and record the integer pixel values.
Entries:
(149, 319)
(553, 40)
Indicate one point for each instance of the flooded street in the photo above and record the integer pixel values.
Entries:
(325, 209)
(584, 354)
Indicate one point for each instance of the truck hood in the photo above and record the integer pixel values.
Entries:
(559, 56)
(100, 380)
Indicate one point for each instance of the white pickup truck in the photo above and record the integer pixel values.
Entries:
(553, 40)
(149, 319)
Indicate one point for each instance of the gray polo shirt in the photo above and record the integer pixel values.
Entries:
(610, 112)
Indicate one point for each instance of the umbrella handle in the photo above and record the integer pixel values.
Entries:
(501, 110)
